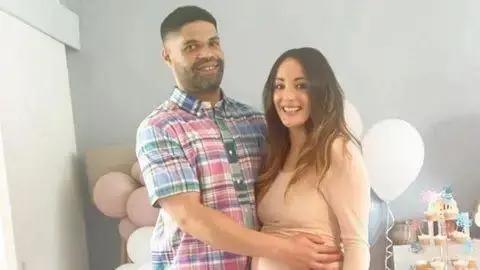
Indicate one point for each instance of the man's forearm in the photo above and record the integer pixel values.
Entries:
(221, 232)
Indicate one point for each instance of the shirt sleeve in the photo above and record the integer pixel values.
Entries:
(348, 194)
(165, 168)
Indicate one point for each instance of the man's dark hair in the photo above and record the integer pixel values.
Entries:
(184, 15)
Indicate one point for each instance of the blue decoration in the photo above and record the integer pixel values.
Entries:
(377, 218)
(463, 220)
(467, 223)
(468, 247)
(416, 248)
(447, 193)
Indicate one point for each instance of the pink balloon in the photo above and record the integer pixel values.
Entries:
(126, 227)
(111, 193)
(139, 209)
(136, 173)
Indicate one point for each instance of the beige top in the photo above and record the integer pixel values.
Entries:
(339, 213)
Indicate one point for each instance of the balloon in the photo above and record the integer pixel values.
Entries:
(138, 245)
(111, 192)
(126, 228)
(136, 173)
(476, 219)
(139, 209)
(146, 266)
(128, 266)
(393, 152)
(377, 219)
(353, 119)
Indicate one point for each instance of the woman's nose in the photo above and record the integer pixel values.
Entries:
(289, 94)
(289, 97)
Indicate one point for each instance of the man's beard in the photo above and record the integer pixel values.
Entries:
(203, 83)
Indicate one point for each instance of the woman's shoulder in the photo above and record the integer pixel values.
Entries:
(344, 150)
(346, 157)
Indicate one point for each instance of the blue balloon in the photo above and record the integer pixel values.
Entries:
(377, 219)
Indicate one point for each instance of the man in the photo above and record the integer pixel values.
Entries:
(200, 153)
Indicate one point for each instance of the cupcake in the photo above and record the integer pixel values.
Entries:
(437, 265)
(440, 240)
(431, 215)
(450, 214)
(472, 263)
(460, 265)
(424, 239)
(460, 237)
(422, 265)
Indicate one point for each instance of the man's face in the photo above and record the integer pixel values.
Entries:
(195, 55)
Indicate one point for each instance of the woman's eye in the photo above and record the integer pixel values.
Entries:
(302, 86)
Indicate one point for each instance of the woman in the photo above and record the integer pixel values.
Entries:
(313, 179)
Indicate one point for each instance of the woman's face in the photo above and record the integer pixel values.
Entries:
(290, 95)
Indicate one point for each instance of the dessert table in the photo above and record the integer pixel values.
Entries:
(404, 258)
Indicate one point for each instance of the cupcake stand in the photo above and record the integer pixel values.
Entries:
(446, 250)
(410, 257)
(447, 245)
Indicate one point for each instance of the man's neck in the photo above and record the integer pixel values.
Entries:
(212, 96)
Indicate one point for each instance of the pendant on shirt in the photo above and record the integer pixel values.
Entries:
(240, 185)
(231, 151)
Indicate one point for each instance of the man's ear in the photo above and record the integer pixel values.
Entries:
(166, 56)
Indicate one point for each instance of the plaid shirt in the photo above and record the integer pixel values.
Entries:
(187, 145)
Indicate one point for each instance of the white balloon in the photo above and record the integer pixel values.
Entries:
(393, 152)
(128, 266)
(138, 245)
(476, 219)
(146, 266)
(353, 119)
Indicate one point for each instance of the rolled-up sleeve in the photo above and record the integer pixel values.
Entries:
(348, 194)
(165, 168)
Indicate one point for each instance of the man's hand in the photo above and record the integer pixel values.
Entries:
(307, 251)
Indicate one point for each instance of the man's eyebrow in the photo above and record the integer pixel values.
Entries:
(193, 41)
(215, 38)
(190, 41)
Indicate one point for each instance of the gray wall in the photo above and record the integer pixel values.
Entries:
(416, 60)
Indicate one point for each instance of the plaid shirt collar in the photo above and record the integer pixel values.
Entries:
(198, 107)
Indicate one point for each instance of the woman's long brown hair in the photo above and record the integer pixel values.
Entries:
(325, 125)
